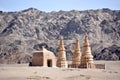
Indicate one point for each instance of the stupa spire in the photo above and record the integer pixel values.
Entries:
(86, 42)
(61, 62)
(76, 55)
(86, 58)
(61, 47)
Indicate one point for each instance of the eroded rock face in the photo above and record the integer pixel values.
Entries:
(25, 31)
(109, 53)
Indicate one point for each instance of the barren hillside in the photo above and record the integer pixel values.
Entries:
(25, 31)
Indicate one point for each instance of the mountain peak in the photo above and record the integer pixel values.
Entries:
(30, 9)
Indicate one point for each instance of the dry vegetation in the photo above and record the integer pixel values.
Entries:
(23, 72)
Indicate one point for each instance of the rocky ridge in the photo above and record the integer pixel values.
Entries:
(25, 31)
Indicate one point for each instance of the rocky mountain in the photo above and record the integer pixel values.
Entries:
(23, 32)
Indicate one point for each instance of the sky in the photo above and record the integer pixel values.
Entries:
(56, 5)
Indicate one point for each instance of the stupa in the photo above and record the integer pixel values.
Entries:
(61, 61)
(76, 55)
(86, 58)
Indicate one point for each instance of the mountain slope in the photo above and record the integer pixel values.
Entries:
(23, 32)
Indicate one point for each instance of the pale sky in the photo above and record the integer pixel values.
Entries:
(56, 5)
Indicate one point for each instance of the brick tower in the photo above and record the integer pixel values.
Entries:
(86, 58)
(76, 55)
(62, 62)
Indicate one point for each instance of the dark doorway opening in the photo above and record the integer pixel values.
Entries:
(49, 63)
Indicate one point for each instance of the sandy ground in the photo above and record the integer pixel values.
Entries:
(24, 72)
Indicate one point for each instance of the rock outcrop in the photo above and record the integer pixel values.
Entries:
(23, 32)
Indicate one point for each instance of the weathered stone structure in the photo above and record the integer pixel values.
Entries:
(61, 61)
(43, 58)
(86, 58)
(76, 55)
(47, 58)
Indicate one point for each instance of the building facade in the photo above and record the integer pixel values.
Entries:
(43, 58)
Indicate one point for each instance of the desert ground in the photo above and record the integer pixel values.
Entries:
(24, 72)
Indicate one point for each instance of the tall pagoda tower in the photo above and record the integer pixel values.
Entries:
(76, 55)
(86, 58)
(62, 62)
